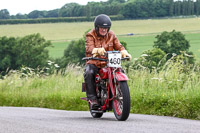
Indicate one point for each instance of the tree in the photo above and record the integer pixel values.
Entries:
(52, 13)
(4, 14)
(171, 7)
(129, 10)
(7, 54)
(21, 16)
(36, 14)
(32, 51)
(197, 7)
(75, 52)
(116, 1)
(71, 10)
(177, 8)
(172, 42)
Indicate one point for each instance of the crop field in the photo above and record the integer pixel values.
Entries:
(144, 33)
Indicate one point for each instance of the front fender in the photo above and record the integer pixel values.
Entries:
(121, 76)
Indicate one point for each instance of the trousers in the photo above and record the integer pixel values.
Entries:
(89, 77)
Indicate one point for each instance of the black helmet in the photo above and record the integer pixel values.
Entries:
(102, 21)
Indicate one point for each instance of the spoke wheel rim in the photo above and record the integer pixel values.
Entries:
(118, 101)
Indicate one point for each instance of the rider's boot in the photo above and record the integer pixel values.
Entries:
(94, 105)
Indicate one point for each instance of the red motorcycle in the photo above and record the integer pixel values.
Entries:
(111, 87)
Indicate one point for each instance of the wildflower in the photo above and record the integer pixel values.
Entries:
(50, 62)
(188, 55)
(56, 65)
(159, 79)
(174, 54)
(144, 55)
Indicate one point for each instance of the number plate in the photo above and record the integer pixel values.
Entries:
(114, 60)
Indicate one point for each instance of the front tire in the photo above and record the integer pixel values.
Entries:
(121, 104)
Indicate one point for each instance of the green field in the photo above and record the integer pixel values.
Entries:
(136, 45)
(144, 32)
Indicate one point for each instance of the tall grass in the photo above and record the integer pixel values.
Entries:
(58, 91)
(171, 92)
(174, 91)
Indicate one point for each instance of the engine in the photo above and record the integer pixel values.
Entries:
(103, 91)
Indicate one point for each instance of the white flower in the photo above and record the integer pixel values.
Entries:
(50, 62)
(144, 55)
(188, 55)
(174, 54)
(56, 65)
(159, 79)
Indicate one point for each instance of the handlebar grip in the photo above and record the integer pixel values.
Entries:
(86, 58)
(125, 58)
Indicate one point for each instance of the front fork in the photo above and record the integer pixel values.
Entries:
(117, 76)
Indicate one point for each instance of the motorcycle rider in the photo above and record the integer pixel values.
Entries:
(98, 41)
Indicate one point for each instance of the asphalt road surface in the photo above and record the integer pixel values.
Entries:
(40, 120)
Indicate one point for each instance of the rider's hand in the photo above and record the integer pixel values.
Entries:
(101, 51)
(95, 52)
(125, 54)
(98, 51)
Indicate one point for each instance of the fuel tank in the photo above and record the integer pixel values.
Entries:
(103, 73)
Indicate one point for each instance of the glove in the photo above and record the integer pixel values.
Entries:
(125, 54)
(95, 52)
(98, 51)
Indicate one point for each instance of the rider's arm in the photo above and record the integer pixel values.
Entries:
(119, 46)
(116, 44)
(89, 44)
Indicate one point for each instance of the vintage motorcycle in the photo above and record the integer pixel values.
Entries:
(111, 87)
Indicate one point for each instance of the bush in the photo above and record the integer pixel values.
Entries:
(27, 51)
(74, 53)
(151, 59)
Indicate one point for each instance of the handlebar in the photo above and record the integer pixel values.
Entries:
(94, 58)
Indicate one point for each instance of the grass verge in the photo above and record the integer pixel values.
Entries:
(171, 92)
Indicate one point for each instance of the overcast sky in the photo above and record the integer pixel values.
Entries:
(26, 6)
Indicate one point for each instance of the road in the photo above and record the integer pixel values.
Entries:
(40, 120)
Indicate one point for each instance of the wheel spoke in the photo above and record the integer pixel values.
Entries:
(118, 102)
(121, 103)
(120, 98)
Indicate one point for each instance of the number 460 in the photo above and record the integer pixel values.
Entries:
(115, 60)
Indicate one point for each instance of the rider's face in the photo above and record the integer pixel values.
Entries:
(103, 31)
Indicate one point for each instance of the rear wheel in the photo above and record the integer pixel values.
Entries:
(121, 104)
(95, 113)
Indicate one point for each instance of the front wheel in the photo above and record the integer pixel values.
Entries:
(121, 104)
